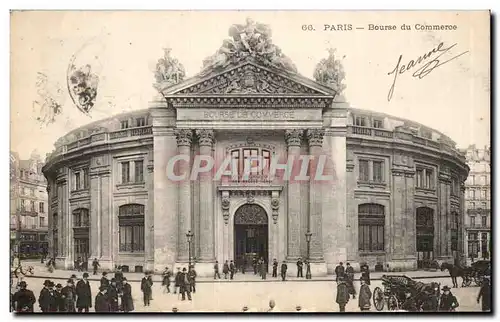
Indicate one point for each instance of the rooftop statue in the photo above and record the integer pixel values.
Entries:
(330, 72)
(251, 41)
(169, 71)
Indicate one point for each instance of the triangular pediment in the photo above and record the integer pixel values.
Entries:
(249, 78)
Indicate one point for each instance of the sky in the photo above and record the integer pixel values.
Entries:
(123, 48)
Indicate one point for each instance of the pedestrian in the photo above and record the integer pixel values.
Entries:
(150, 279)
(24, 299)
(299, 267)
(127, 300)
(225, 269)
(60, 303)
(101, 300)
(409, 304)
(119, 278)
(166, 280)
(485, 295)
(339, 271)
(365, 273)
(84, 294)
(45, 298)
(192, 279)
(185, 286)
(232, 269)
(263, 268)
(95, 265)
(216, 270)
(365, 295)
(146, 289)
(178, 281)
(275, 268)
(104, 279)
(430, 302)
(78, 264)
(69, 295)
(254, 265)
(112, 294)
(448, 302)
(244, 266)
(284, 268)
(349, 274)
(342, 293)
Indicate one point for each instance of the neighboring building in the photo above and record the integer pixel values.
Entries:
(397, 197)
(28, 206)
(478, 204)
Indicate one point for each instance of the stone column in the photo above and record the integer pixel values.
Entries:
(149, 217)
(95, 216)
(315, 139)
(106, 218)
(293, 140)
(184, 139)
(165, 190)
(443, 214)
(207, 240)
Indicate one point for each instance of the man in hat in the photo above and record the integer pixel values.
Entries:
(409, 304)
(342, 293)
(45, 298)
(119, 278)
(166, 280)
(225, 269)
(284, 268)
(365, 273)
(299, 267)
(448, 302)
(61, 307)
(365, 295)
(95, 265)
(84, 294)
(24, 299)
(185, 287)
(104, 279)
(216, 270)
(178, 280)
(275, 268)
(112, 294)
(146, 289)
(339, 271)
(69, 295)
(485, 295)
(192, 279)
(127, 300)
(349, 274)
(232, 270)
(101, 300)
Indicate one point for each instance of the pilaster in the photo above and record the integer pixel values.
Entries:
(293, 139)
(444, 192)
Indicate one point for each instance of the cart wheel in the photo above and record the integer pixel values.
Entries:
(466, 281)
(392, 303)
(378, 299)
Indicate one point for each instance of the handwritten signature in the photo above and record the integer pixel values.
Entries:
(425, 69)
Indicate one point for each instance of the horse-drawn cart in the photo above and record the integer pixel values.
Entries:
(395, 287)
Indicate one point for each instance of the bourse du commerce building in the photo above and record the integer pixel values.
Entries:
(395, 197)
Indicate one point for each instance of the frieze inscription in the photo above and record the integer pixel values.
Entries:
(248, 114)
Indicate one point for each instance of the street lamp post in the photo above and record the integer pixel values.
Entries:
(189, 237)
(308, 265)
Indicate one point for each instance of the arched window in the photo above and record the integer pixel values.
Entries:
(81, 218)
(371, 222)
(131, 223)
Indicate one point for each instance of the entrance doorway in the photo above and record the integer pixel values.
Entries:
(425, 236)
(251, 237)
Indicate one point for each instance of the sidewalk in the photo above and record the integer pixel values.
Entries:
(42, 272)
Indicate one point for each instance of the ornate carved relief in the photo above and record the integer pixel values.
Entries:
(205, 137)
(184, 137)
(275, 206)
(225, 203)
(250, 214)
(293, 137)
(250, 197)
(315, 137)
(242, 102)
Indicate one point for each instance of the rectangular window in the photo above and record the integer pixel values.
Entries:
(131, 238)
(429, 179)
(23, 205)
(124, 124)
(125, 172)
(235, 163)
(420, 178)
(483, 205)
(472, 194)
(139, 171)
(42, 222)
(360, 121)
(484, 221)
(41, 208)
(364, 170)
(472, 221)
(266, 159)
(140, 121)
(32, 206)
(379, 124)
(483, 194)
(378, 171)
(77, 181)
